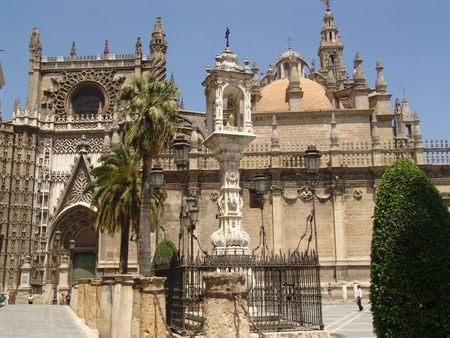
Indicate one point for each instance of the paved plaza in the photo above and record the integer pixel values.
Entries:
(345, 321)
(35, 321)
(42, 321)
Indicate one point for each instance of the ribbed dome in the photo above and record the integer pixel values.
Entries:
(273, 96)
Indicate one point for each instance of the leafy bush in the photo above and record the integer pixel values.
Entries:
(164, 253)
(410, 266)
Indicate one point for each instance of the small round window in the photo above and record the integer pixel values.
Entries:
(87, 99)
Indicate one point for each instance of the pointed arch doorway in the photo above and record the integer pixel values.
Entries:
(74, 235)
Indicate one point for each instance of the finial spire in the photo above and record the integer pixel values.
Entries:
(359, 77)
(327, 3)
(227, 37)
(380, 84)
(35, 46)
(106, 48)
(138, 46)
(289, 41)
(73, 51)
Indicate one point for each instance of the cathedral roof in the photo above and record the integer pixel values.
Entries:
(273, 96)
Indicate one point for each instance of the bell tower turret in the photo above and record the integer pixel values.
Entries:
(158, 50)
(331, 48)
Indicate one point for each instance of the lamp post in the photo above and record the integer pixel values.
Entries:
(260, 182)
(157, 181)
(188, 211)
(71, 250)
(312, 163)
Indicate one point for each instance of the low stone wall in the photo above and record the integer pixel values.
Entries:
(126, 306)
(122, 306)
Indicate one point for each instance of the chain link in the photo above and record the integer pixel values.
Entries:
(247, 315)
(168, 331)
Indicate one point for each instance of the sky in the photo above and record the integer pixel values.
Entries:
(411, 37)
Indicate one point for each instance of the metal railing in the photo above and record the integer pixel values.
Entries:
(283, 291)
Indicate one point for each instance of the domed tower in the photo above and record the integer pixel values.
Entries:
(331, 48)
(229, 123)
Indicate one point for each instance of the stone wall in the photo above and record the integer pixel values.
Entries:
(121, 306)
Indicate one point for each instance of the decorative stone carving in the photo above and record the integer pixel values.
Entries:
(77, 193)
(69, 145)
(105, 78)
(214, 196)
(357, 194)
(306, 193)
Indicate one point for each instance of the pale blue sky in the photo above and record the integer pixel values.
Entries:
(412, 38)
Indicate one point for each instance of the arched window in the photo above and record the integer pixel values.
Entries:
(87, 99)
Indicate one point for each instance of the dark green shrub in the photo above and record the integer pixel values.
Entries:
(410, 267)
(164, 253)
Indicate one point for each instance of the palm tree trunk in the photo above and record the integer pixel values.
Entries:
(144, 219)
(123, 260)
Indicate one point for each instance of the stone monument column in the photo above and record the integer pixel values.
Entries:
(228, 85)
(225, 305)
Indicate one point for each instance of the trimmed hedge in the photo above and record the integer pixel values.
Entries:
(410, 258)
(163, 254)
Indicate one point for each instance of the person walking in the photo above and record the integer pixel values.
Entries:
(359, 298)
(329, 291)
(30, 299)
(2, 299)
(68, 299)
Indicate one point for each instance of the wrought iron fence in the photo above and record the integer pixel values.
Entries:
(283, 291)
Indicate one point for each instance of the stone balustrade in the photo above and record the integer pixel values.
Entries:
(258, 156)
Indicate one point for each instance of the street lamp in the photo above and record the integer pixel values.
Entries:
(188, 211)
(312, 159)
(157, 176)
(157, 181)
(312, 163)
(260, 182)
(181, 150)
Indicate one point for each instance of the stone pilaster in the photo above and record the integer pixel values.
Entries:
(344, 292)
(115, 306)
(136, 311)
(82, 288)
(92, 304)
(104, 325)
(277, 218)
(152, 317)
(63, 284)
(126, 307)
(74, 298)
(224, 304)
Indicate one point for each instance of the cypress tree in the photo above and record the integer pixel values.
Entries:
(410, 258)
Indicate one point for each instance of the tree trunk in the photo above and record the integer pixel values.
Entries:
(144, 219)
(123, 260)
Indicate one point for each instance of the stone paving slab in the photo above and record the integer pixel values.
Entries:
(46, 321)
(346, 321)
(57, 321)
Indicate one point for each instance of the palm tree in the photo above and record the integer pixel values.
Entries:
(151, 115)
(116, 194)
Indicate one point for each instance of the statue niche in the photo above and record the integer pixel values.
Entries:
(233, 108)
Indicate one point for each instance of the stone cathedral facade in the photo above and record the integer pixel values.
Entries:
(51, 143)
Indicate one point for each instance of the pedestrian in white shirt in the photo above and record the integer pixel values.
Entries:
(359, 298)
